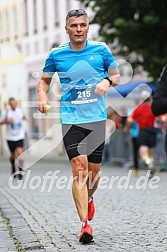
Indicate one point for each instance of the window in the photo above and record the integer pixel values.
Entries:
(1, 28)
(56, 13)
(68, 5)
(7, 24)
(27, 50)
(46, 44)
(35, 15)
(36, 47)
(45, 14)
(26, 17)
(34, 127)
(15, 21)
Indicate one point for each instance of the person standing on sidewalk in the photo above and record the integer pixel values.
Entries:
(86, 70)
(13, 118)
(147, 132)
(159, 104)
(134, 133)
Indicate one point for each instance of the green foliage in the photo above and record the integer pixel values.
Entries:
(138, 26)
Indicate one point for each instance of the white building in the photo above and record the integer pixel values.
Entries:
(12, 68)
(44, 27)
(29, 28)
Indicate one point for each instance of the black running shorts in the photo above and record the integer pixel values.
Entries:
(13, 145)
(147, 137)
(85, 139)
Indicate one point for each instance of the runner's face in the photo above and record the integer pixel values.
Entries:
(77, 29)
(13, 104)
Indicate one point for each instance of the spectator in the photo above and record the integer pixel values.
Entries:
(159, 105)
(134, 133)
(147, 132)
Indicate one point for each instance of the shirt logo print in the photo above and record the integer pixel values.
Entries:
(91, 58)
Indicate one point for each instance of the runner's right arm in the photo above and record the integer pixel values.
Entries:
(42, 89)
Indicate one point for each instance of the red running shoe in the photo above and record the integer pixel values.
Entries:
(91, 210)
(86, 235)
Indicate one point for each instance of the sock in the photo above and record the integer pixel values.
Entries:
(90, 199)
(148, 161)
(12, 161)
(20, 166)
(83, 223)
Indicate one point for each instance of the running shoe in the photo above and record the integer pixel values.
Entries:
(86, 234)
(20, 176)
(151, 168)
(136, 172)
(152, 172)
(91, 209)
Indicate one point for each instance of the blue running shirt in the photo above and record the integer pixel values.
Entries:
(79, 71)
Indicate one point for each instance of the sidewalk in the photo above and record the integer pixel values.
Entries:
(44, 218)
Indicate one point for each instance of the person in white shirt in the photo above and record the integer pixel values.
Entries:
(13, 118)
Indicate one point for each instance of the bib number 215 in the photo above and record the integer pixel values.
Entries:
(84, 94)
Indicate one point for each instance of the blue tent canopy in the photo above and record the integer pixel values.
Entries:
(125, 89)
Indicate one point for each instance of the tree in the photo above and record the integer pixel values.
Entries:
(138, 29)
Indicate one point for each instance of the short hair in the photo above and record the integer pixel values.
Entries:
(76, 13)
(11, 99)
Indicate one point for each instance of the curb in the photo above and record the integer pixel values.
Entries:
(19, 233)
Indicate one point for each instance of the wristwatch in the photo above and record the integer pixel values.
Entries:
(109, 79)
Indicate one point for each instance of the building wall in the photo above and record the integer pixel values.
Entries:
(44, 22)
(12, 69)
(29, 29)
(13, 77)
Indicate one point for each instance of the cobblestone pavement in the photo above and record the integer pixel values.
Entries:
(34, 219)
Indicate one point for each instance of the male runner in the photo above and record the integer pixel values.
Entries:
(13, 118)
(86, 70)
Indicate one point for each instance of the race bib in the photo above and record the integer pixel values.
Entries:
(16, 126)
(83, 94)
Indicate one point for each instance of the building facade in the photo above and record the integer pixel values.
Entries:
(30, 28)
(13, 77)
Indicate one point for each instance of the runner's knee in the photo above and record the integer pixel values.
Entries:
(79, 167)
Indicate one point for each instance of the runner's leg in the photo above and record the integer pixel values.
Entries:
(93, 179)
(20, 161)
(79, 188)
(12, 147)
